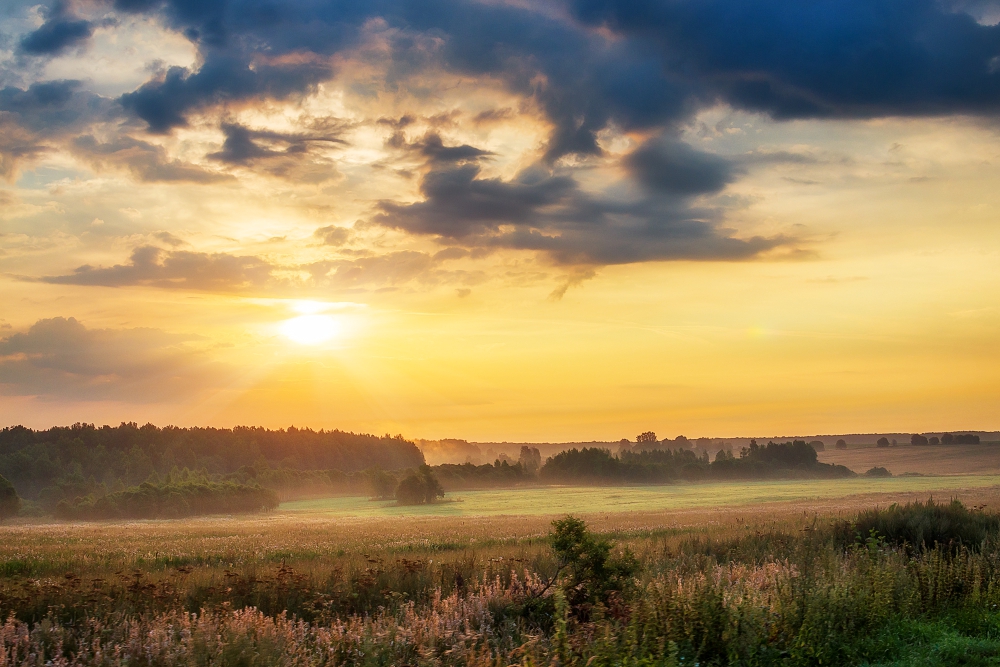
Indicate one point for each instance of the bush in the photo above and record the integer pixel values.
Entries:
(419, 488)
(590, 573)
(923, 525)
(878, 471)
(10, 503)
(841, 444)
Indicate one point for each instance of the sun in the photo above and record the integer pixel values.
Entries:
(310, 329)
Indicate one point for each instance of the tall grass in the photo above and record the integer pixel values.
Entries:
(797, 593)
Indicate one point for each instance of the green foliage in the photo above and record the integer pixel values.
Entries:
(419, 488)
(590, 573)
(499, 474)
(10, 503)
(921, 525)
(381, 484)
(659, 465)
(172, 500)
(47, 463)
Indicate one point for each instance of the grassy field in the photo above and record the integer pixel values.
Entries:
(928, 460)
(748, 574)
(586, 500)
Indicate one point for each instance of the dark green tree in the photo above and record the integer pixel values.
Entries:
(419, 488)
(10, 503)
(380, 484)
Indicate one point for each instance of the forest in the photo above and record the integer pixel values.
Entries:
(67, 462)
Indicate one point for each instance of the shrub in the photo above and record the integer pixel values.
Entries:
(878, 471)
(419, 488)
(841, 444)
(590, 573)
(923, 525)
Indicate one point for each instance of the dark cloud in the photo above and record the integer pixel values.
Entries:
(147, 162)
(642, 65)
(285, 155)
(60, 32)
(178, 269)
(432, 147)
(54, 106)
(547, 212)
(673, 167)
(61, 358)
(832, 58)
(460, 205)
(667, 59)
(164, 103)
(33, 119)
(578, 79)
(242, 145)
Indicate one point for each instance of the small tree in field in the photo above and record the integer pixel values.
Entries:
(882, 442)
(841, 444)
(419, 488)
(10, 504)
(591, 574)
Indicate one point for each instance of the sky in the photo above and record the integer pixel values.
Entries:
(502, 220)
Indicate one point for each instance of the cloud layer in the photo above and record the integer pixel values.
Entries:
(584, 70)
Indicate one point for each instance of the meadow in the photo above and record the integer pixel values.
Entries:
(584, 500)
(754, 574)
(981, 459)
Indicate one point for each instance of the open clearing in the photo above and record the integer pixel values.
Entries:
(928, 460)
(596, 500)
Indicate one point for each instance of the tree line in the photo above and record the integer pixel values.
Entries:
(66, 462)
(649, 466)
(170, 501)
(945, 439)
